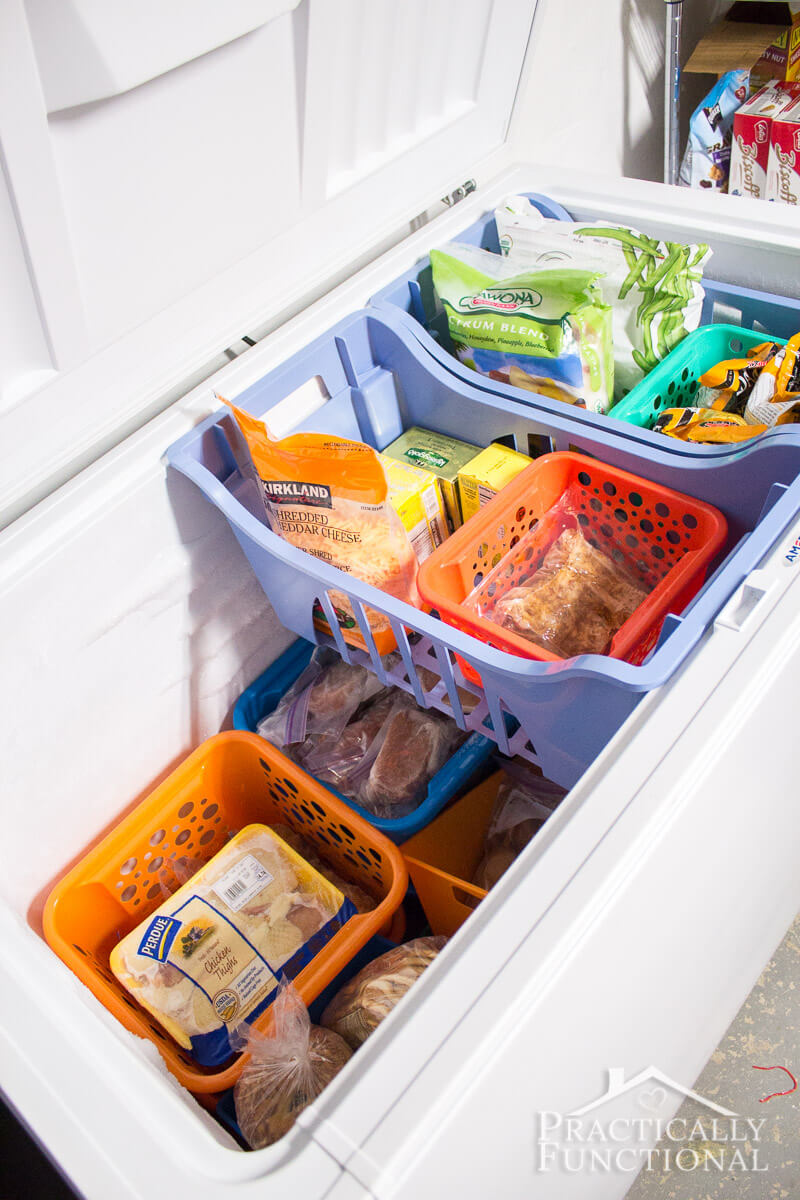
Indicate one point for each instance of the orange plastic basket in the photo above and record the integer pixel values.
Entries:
(232, 780)
(663, 538)
(444, 856)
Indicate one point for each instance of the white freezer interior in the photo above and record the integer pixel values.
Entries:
(136, 624)
(132, 622)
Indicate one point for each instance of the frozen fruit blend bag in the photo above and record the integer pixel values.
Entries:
(329, 497)
(544, 329)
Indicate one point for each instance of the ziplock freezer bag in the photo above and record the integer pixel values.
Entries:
(653, 286)
(575, 597)
(523, 803)
(205, 961)
(328, 496)
(707, 160)
(286, 1070)
(386, 758)
(319, 703)
(370, 996)
(551, 325)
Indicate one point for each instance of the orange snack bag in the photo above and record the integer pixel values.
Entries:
(329, 497)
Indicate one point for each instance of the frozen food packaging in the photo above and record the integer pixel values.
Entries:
(523, 803)
(329, 496)
(573, 600)
(208, 959)
(286, 1070)
(319, 703)
(706, 162)
(653, 286)
(370, 996)
(550, 323)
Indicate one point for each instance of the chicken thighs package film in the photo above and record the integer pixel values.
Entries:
(330, 497)
(653, 286)
(207, 961)
(545, 329)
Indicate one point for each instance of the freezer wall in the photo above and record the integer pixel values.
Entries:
(595, 94)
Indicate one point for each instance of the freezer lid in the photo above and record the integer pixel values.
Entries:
(178, 175)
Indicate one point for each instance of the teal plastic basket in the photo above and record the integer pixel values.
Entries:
(673, 383)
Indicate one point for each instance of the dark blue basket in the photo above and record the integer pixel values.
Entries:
(413, 294)
(380, 380)
(263, 695)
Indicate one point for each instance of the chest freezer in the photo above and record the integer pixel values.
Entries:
(265, 172)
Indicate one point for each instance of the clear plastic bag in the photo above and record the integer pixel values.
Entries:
(387, 756)
(523, 803)
(360, 1006)
(557, 589)
(286, 1071)
(319, 704)
(411, 747)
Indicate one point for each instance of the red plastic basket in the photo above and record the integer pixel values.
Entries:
(665, 539)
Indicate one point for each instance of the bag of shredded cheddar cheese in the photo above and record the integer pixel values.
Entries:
(329, 497)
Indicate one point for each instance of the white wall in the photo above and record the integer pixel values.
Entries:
(595, 97)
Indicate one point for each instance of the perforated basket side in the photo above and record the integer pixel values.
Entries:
(233, 780)
(673, 383)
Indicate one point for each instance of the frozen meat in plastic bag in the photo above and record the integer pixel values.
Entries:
(523, 803)
(411, 747)
(360, 1006)
(388, 755)
(558, 590)
(320, 702)
(287, 1069)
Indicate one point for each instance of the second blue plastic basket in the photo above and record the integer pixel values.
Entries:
(413, 294)
(263, 695)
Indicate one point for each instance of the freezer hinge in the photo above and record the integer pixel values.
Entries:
(459, 193)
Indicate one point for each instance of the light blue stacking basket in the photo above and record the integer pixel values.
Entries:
(381, 380)
(413, 294)
(263, 695)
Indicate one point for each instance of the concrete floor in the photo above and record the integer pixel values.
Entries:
(765, 1032)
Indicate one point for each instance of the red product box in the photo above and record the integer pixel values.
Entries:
(752, 130)
(783, 169)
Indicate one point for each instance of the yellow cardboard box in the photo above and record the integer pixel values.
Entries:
(486, 474)
(443, 456)
(414, 495)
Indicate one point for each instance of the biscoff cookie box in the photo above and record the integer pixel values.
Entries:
(752, 129)
(783, 169)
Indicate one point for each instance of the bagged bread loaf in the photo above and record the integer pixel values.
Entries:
(523, 803)
(206, 961)
(371, 995)
(286, 1070)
